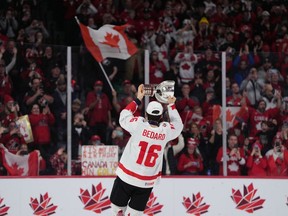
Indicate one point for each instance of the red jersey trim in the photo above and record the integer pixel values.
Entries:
(173, 106)
(132, 106)
(141, 177)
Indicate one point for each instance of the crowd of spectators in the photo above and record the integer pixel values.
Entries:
(185, 40)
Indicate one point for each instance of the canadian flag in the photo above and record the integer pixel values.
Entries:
(233, 114)
(108, 41)
(18, 165)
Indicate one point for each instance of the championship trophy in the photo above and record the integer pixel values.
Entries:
(160, 91)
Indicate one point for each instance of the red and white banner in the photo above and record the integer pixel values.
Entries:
(233, 114)
(20, 165)
(109, 41)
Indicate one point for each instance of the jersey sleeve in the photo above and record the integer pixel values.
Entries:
(127, 120)
(176, 124)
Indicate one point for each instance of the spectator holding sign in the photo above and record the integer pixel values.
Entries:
(141, 162)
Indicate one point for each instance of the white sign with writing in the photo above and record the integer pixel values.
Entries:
(99, 160)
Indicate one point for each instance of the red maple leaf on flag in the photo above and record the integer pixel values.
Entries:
(95, 201)
(229, 116)
(3, 208)
(111, 40)
(216, 112)
(152, 208)
(18, 171)
(247, 202)
(195, 206)
(42, 207)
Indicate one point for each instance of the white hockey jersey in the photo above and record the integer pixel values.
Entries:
(141, 161)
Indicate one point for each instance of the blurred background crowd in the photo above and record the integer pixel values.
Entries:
(185, 39)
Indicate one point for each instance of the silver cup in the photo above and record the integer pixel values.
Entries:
(160, 91)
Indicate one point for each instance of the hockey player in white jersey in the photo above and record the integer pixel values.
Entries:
(141, 162)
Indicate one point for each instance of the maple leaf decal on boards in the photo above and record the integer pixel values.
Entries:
(42, 208)
(247, 202)
(152, 208)
(112, 40)
(195, 206)
(95, 201)
(3, 208)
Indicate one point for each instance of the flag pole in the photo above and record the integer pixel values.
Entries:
(107, 78)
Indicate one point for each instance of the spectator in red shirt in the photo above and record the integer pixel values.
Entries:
(235, 157)
(236, 97)
(190, 161)
(277, 159)
(256, 163)
(13, 139)
(41, 124)
(99, 113)
(185, 105)
(256, 116)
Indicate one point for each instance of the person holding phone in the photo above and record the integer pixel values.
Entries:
(256, 163)
(234, 156)
(277, 159)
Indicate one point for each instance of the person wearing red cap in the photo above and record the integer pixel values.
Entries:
(256, 163)
(190, 161)
(99, 111)
(128, 91)
(140, 166)
(95, 140)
